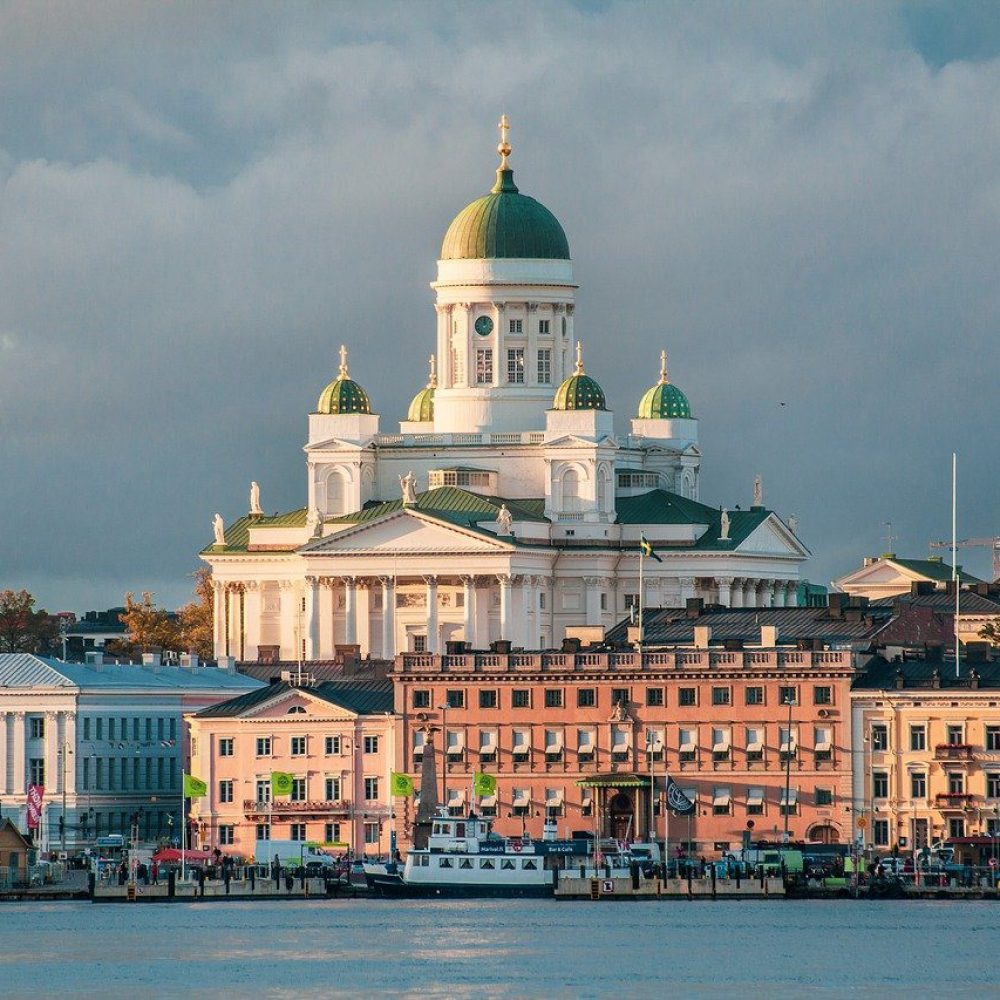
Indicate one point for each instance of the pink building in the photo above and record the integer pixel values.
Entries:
(336, 738)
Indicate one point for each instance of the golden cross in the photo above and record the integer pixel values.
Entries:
(504, 148)
(343, 361)
(663, 367)
(579, 358)
(434, 378)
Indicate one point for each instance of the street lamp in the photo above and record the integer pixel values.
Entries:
(790, 702)
(443, 709)
(64, 751)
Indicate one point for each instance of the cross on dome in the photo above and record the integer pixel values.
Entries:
(664, 379)
(342, 372)
(433, 381)
(504, 146)
(579, 358)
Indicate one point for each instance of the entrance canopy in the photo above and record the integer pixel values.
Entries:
(624, 779)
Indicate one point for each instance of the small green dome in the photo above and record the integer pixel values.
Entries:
(664, 401)
(422, 407)
(579, 391)
(343, 394)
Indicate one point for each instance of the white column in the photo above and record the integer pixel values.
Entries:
(592, 597)
(350, 610)
(219, 618)
(432, 614)
(506, 623)
(5, 752)
(288, 612)
(326, 626)
(736, 600)
(724, 585)
(20, 781)
(69, 737)
(52, 752)
(779, 593)
(764, 594)
(469, 610)
(311, 629)
(750, 593)
(233, 625)
(529, 598)
(363, 616)
(687, 588)
(388, 617)
(251, 613)
(791, 594)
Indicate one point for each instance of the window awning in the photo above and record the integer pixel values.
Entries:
(522, 797)
(720, 740)
(488, 801)
(616, 779)
(587, 798)
(521, 739)
(793, 794)
(755, 740)
(554, 796)
(619, 739)
(419, 739)
(456, 796)
(755, 796)
(553, 741)
(456, 740)
(687, 740)
(655, 739)
(721, 797)
(823, 739)
(585, 740)
(487, 741)
(788, 741)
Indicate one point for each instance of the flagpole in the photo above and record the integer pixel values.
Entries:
(642, 557)
(954, 545)
(183, 829)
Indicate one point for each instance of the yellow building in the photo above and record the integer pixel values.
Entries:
(926, 752)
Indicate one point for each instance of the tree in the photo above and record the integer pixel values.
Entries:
(991, 631)
(197, 618)
(149, 627)
(22, 628)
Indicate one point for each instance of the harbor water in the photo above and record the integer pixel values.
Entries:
(499, 949)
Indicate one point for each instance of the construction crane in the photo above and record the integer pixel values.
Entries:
(977, 543)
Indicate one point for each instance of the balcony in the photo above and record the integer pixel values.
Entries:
(285, 807)
(954, 800)
(953, 751)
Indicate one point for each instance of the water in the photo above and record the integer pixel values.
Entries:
(499, 949)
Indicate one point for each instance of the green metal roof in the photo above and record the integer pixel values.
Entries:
(505, 223)
(663, 401)
(422, 407)
(579, 392)
(238, 533)
(372, 698)
(932, 569)
(343, 395)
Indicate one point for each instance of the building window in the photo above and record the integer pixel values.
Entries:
(545, 366)
(488, 698)
(993, 737)
(36, 771)
(263, 831)
(331, 833)
(654, 697)
(880, 785)
(515, 365)
(371, 789)
(553, 698)
(484, 366)
(918, 737)
(520, 698)
(788, 695)
(686, 697)
(331, 745)
(620, 696)
(720, 696)
(880, 737)
(755, 695)
(263, 789)
(822, 695)
(226, 747)
(824, 797)
(455, 698)
(880, 832)
(421, 698)
(543, 327)
(956, 735)
(419, 644)
(755, 801)
(263, 746)
(720, 802)
(515, 326)
(586, 698)
(37, 728)
(298, 746)
(992, 785)
(918, 785)
(371, 833)
(371, 744)
(956, 783)
(226, 790)
(226, 834)
(298, 789)
(956, 828)
(297, 831)
(332, 788)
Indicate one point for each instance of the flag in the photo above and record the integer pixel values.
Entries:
(484, 784)
(400, 784)
(647, 549)
(677, 801)
(281, 783)
(194, 788)
(35, 795)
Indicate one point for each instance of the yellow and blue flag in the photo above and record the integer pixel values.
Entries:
(647, 549)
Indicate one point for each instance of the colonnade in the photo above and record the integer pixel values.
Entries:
(59, 737)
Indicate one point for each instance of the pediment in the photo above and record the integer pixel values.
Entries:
(340, 444)
(297, 704)
(773, 538)
(880, 573)
(576, 441)
(406, 532)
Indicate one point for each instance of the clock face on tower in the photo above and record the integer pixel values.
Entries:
(484, 326)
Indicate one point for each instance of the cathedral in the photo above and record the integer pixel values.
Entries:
(506, 508)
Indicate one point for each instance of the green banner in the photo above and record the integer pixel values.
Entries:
(401, 784)
(194, 788)
(484, 784)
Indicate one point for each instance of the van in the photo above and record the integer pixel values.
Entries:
(771, 858)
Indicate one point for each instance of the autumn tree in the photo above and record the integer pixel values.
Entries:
(148, 627)
(991, 631)
(197, 618)
(22, 628)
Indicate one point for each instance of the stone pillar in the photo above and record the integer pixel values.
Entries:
(326, 625)
(687, 588)
(724, 590)
(5, 753)
(312, 618)
(69, 739)
(530, 605)
(219, 618)
(736, 593)
(52, 780)
(469, 611)
(288, 615)
(234, 633)
(592, 599)
(433, 632)
(779, 593)
(750, 593)
(251, 618)
(363, 616)
(791, 594)
(765, 590)
(388, 617)
(506, 623)
(20, 780)
(350, 610)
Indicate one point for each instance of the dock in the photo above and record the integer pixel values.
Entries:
(572, 886)
(219, 891)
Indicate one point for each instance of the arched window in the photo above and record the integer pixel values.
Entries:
(336, 494)
(602, 490)
(687, 488)
(571, 490)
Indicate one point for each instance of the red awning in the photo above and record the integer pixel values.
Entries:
(172, 855)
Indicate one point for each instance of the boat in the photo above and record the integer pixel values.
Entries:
(463, 858)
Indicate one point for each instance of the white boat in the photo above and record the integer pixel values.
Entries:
(464, 857)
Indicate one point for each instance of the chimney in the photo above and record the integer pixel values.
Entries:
(189, 661)
(227, 663)
(836, 603)
(868, 561)
(768, 636)
(702, 636)
(694, 607)
(150, 659)
(900, 679)
(94, 659)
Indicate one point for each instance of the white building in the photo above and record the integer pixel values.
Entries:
(506, 507)
(103, 741)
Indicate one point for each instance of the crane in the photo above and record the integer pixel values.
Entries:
(977, 543)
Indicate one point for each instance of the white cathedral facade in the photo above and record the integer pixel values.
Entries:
(505, 508)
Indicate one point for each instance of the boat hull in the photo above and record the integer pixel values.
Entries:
(395, 887)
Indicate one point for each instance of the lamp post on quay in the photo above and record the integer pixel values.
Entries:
(790, 701)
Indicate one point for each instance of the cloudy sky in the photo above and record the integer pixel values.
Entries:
(200, 201)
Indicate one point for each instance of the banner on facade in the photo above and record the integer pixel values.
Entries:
(35, 795)
(677, 801)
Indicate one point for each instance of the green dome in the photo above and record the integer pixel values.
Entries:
(579, 391)
(505, 223)
(664, 401)
(343, 395)
(422, 407)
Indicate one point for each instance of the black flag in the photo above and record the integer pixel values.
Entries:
(677, 801)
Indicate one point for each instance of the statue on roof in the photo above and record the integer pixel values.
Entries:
(758, 491)
(724, 522)
(505, 520)
(408, 484)
(219, 527)
(255, 507)
(793, 524)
